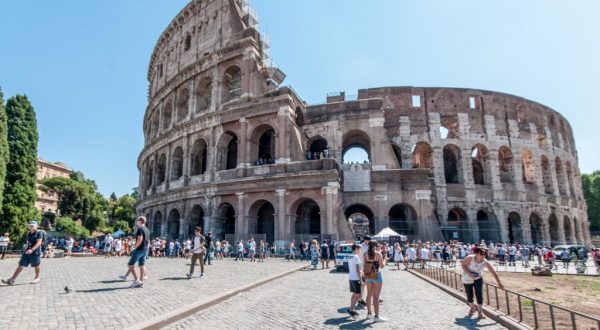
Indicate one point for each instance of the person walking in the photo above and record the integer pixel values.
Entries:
(565, 257)
(314, 254)
(596, 257)
(524, 256)
(324, 254)
(252, 250)
(108, 240)
(209, 248)
(198, 252)
(424, 256)
(473, 266)
(4, 243)
(240, 251)
(331, 253)
(31, 256)
(262, 251)
(292, 251)
(355, 279)
(398, 257)
(512, 252)
(373, 263)
(411, 254)
(139, 253)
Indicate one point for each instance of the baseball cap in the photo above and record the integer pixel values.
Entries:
(33, 223)
(366, 238)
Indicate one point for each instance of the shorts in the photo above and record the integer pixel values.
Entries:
(379, 279)
(30, 259)
(139, 257)
(354, 286)
(251, 252)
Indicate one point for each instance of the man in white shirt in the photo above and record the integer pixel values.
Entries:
(108, 240)
(198, 252)
(69, 246)
(355, 278)
(424, 256)
(4, 242)
(411, 254)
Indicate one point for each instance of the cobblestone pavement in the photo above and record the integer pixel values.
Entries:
(318, 299)
(99, 300)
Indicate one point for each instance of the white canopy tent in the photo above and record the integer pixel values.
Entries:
(118, 233)
(386, 233)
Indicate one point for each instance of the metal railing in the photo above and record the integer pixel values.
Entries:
(524, 309)
(589, 268)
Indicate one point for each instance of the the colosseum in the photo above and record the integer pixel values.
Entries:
(230, 148)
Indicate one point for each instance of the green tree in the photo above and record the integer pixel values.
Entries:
(125, 210)
(591, 191)
(3, 147)
(20, 184)
(123, 225)
(69, 227)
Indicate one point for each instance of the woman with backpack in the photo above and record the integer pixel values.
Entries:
(373, 264)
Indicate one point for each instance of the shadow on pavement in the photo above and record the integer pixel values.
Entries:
(101, 290)
(111, 281)
(173, 279)
(348, 322)
(469, 322)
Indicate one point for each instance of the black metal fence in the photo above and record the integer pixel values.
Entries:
(526, 310)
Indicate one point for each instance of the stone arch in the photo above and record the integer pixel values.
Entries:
(262, 144)
(568, 230)
(317, 148)
(421, 155)
(481, 165)
(161, 169)
(150, 175)
(299, 117)
(224, 220)
(459, 225)
(356, 139)
(357, 214)
(232, 83)
(157, 224)
(449, 128)
(403, 219)
(173, 222)
(515, 228)
(227, 151)
(505, 164)
(187, 42)
(489, 229)
(155, 125)
(199, 157)
(578, 231)
(262, 219)
(308, 217)
(554, 230)
(537, 228)
(453, 169)
(195, 218)
(528, 166)
(183, 104)
(204, 94)
(547, 175)
(560, 176)
(177, 164)
(167, 115)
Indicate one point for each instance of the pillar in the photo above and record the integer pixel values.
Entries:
(281, 152)
(280, 224)
(377, 155)
(244, 146)
(240, 216)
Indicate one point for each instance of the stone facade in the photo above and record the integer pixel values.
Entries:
(228, 148)
(48, 201)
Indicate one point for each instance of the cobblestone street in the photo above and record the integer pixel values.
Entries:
(99, 300)
(318, 299)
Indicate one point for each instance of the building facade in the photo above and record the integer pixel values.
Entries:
(228, 148)
(48, 201)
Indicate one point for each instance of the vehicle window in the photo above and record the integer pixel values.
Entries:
(347, 249)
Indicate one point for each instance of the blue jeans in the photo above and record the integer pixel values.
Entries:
(207, 256)
(138, 257)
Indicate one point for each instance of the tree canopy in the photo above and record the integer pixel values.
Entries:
(591, 191)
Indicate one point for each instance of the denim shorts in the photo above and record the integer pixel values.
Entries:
(379, 279)
(30, 259)
(139, 257)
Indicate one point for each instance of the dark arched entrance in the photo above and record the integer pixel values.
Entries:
(173, 225)
(196, 218)
(515, 228)
(265, 219)
(536, 225)
(357, 214)
(308, 218)
(403, 220)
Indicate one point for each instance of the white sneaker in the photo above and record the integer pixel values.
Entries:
(123, 277)
(379, 319)
(35, 280)
(134, 284)
(369, 316)
(145, 277)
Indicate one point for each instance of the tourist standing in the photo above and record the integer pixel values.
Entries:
(324, 254)
(314, 254)
(252, 250)
(292, 251)
(373, 263)
(69, 246)
(398, 257)
(240, 251)
(332, 252)
(4, 243)
(32, 254)
(108, 240)
(473, 266)
(354, 276)
(262, 250)
(411, 254)
(424, 256)
(524, 256)
(118, 247)
(565, 257)
(512, 252)
(218, 247)
(139, 253)
(187, 247)
(596, 257)
(226, 249)
(209, 248)
(198, 251)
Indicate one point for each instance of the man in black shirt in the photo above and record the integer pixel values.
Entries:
(140, 252)
(31, 256)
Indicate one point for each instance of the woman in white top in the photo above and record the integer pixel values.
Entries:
(398, 257)
(473, 266)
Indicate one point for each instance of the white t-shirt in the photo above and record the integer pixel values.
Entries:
(197, 245)
(226, 248)
(108, 243)
(411, 253)
(70, 243)
(240, 247)
(424, 254)
(218, 245)
(352, 262)
(118, 245)
(187, 244)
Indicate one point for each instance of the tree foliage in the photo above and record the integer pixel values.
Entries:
(3, 147)
(591, 191)
(20, 184)
(68, 226)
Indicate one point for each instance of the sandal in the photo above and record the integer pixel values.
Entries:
(471, 311)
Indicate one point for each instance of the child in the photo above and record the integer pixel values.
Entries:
(354, 276)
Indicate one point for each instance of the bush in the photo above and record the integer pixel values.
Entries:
(70, 227)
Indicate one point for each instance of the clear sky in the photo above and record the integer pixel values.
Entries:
(83, 64)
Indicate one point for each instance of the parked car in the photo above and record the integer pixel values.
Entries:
(344, 253)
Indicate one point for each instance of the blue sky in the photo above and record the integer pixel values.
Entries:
(83, 64)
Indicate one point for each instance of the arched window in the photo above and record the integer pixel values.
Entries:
(547, 176)
(515, 228)
(187, 43)
(317, 149)
(560, 177)
(232, 84)
(308, 218)
(227, 149)
(528, 166)
(356, 147)
(167, 115)
(421, 155)
(505, 164)
(161, 169)
(183, 103)
(554, 230)
(196, 218)
(449, 127)
(199, 157)
(480, 164)
(173, 224)
(150, 175)
(452, 164)
(205, 90)
(177, 164)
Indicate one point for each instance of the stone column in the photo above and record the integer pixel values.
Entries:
(377, 155)
(494, 171)
(159, 129)
(240, 222)
(247, 67)
(329, 191)
(168, 167)
(244, 146)
(280, 223)
(216, 90)
(193, 101)
(164, 223)
(405, 147)
(281, 152)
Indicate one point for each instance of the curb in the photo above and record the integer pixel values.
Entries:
(181, 313)
(500, 318)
